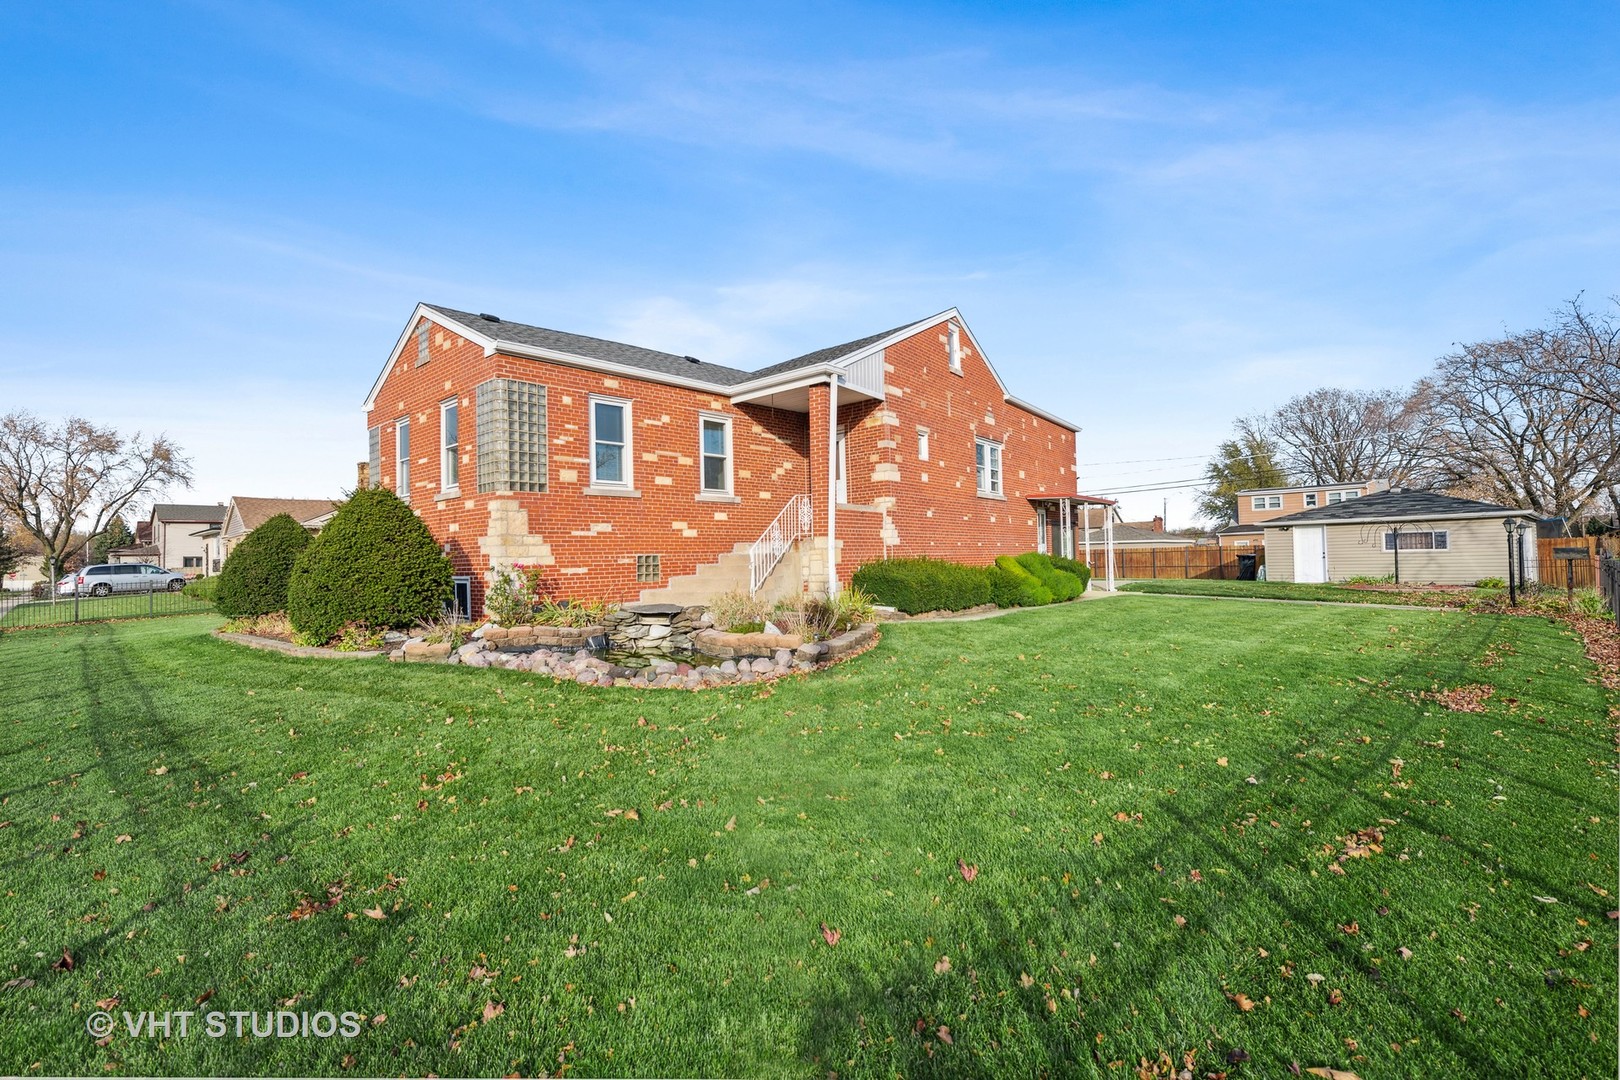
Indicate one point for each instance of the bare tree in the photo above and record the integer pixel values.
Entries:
(64, 481)
(1533, 418)
(1334, 436)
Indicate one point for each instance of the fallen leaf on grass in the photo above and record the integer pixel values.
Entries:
(1025, 980)
(1404, 953)
(1314, 979)
(731, 824)
(492, 1009)
(1242, 1001)
(375, 912)
(1237, 1056)
(830, 934)
(942, 965)
(1545, 899)
(1097, 840)
(122, 838)
(1181, 920)
(944, 1034)
(66, 963)
(1221, 762)
(1331, 1074)
(107, 1003)
(968, 872)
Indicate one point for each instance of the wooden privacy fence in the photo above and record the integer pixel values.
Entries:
(1551, 571)
(1191, 561)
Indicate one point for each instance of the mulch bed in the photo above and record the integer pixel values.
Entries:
(1602, 645)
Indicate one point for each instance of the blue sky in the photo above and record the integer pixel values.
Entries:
(215, 217)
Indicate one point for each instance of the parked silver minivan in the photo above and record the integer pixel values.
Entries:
(108, 578)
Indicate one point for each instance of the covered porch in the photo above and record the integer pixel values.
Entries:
(1059, 517)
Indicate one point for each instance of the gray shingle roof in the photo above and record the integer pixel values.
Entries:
(617, 352)
(1394, 505)
(185, 512)
(824, 356)
(613, 352)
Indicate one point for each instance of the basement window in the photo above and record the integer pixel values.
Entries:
(648, 571)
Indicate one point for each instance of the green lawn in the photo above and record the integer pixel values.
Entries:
(128, 606)
(1291, 590)
(170, 800)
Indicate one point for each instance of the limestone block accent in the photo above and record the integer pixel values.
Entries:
(508, 540)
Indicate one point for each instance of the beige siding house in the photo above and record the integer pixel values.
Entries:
(1422, 536)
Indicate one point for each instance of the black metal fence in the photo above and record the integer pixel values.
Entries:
(21, 612)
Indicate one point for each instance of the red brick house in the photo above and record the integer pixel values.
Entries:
(631, 473)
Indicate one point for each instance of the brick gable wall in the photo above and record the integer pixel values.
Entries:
(590, 542)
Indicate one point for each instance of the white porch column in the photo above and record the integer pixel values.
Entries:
(1085, 527)
(1108, 544)
(832, 485)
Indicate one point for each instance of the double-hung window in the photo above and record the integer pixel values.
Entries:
(402, 458)
(1310, 499)
(449, 446)
(715, 454)
(987, 466)
(1267, 502)
(610, 442)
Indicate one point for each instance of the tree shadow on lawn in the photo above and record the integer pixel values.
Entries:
(871, 1021)
(124, 720)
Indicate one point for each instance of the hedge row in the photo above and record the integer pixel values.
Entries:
(918, 585)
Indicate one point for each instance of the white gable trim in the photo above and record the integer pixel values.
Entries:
(422, 312)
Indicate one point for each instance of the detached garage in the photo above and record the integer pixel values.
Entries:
(1432, 538)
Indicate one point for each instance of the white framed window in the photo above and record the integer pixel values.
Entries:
(987, 466)
(1418, 540)
(1266, 502)
(449, 446)
(953, 346)
(1258, 502)
(714, 453)
(610, 442)
(402, 458)
(922, 444)
(1310, 499)
(1348, 495)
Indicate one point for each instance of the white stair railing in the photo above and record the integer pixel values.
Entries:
(796, 520)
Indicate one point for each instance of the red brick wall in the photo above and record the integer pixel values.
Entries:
(933, 506)
(937, 510)
(594, 538)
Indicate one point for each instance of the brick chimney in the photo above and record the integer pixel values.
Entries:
(363, 473)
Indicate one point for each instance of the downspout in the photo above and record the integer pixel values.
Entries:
(832, 484)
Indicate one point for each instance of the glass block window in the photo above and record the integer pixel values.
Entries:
(374, 467)
(647, 569)
(422, 354)
(510, 422)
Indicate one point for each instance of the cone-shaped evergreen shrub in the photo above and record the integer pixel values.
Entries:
(255, 577)
(375, 563)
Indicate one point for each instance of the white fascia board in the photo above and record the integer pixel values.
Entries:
(422, 312)
(786, 380)
(554, 356)
(1312, 487)
(1409, 519)
(1036, 410)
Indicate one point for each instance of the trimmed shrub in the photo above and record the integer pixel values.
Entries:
(255, 577)
(1062, 585)
(374, 564)
(1008, 589)
(1072, 566)
(1030, 590)
(917, 585)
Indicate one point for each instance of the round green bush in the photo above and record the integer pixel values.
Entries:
(1079, 569)
(1026, 590)
(374, 564)
(1062, 585)
(255, 577)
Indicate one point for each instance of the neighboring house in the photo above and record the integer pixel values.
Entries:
(1133, 536)
(171, 538)
(1259, 505)
(135, 553)
(626, 472)
(30, 570)
(246, 513)
(1437, 538)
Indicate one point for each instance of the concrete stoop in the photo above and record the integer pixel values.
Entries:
(729, 573)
